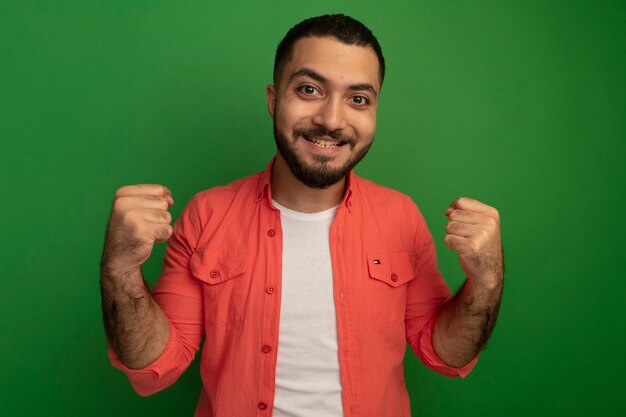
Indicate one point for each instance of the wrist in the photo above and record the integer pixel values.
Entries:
(109, 268)
(129, 280)
(490, 282)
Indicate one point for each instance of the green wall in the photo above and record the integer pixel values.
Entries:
(520, 104)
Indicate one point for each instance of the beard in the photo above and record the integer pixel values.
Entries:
(318, 175)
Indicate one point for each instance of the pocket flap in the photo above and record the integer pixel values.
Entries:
(394, 269)
(215, 266)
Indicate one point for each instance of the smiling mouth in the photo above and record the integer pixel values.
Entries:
(323, 143)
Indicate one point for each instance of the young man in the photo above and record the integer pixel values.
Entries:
(306, 279)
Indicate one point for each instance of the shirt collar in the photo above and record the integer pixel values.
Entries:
(263, 189)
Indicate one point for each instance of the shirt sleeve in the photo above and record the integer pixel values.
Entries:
(179, 294)
(427, 293)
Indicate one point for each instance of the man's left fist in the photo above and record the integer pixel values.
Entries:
(473, 231)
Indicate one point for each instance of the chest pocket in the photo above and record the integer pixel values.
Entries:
(224, 292)
(389, 273)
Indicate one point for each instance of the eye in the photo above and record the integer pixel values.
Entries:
(308, 89)
(360, 100)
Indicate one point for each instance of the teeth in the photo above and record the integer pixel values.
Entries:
(323, 143)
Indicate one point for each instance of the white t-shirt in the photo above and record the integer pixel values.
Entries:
(307, 370)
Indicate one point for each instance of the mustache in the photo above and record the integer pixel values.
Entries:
(322, 131)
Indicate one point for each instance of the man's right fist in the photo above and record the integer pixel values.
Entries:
(139, 217)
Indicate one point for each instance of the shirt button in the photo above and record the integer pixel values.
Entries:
(214, 274)
(270, 290)
(262, 406)
(267, 349)
(271, 232)
(394, 277)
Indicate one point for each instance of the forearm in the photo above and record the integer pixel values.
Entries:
(134, 323)
(465, 323)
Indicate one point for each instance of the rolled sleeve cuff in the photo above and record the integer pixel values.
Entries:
(157, 376)
(432, 360)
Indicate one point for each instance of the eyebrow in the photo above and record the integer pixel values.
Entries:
(364, 87)
(307, 72)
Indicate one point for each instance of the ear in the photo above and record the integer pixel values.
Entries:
(270, 97)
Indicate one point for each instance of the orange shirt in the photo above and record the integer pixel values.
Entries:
(222, 279)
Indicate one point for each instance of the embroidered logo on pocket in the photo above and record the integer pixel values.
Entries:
(389, 273)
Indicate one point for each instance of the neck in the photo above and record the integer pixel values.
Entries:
(289, 192)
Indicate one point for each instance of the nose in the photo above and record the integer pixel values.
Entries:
(330, 114)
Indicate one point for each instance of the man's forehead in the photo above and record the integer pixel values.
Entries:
(333, 58)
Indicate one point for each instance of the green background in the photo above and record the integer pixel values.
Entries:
(518, 104)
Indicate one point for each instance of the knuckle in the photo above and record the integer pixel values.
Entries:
(154, 200)
(119, 203)
(128, 217)
(161, 215)
(164, 232)
(131, 222)
(493, 223)
(127, 190)
(120, 191)
(163, 204)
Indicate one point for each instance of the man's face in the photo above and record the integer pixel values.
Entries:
(324, 109)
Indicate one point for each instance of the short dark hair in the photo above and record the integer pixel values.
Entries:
(344, 28)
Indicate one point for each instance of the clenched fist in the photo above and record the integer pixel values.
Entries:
(473, 231)
(139, 218)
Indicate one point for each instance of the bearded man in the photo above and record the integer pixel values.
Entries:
(305, 279)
